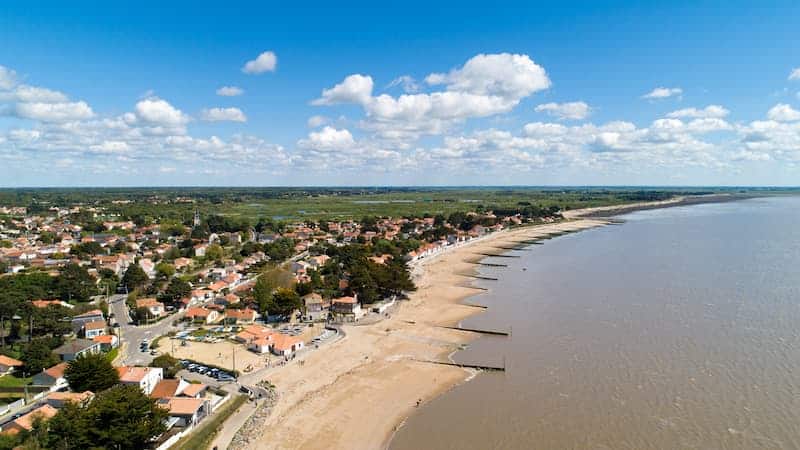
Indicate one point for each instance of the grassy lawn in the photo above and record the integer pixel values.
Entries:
(202, 436)
(13, 381)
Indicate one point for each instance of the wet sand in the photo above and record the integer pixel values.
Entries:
(356, 392)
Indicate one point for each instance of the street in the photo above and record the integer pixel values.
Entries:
(131, 335)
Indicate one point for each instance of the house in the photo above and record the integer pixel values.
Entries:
(145, 377)
(60, 399)
(52, 377)
(316, 307)
(94, 329)
(171, 387)
(189, 411)
(155, 307)
(181, 263)
(148, 266)
(25, 423)
(194, 390)
(315, 262)
(202, 315)
(285, 345)
(253, 332)
(240, 316)
(200, 295)
(46, 303)
(228, 300)
(347, 309)
(8, 365)
(76, 348)
(218, 286)
(260, 344)
(89, 316)
(200, 250)
(107, 342)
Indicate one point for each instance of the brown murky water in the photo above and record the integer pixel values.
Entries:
(677, 330)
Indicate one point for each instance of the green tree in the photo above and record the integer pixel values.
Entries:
(134, 277)
(92, 372)
(170, 365)
(86, 249)
(75, 284)
(176, 289)
(142, 315)
(122, 417)
(262, 293)
(165, 270)
(214, 252)
(285, 301)
(47, 237)
(50, 320)
(363, 283)
(37, 356)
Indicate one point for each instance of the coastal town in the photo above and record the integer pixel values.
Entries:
(197, 314)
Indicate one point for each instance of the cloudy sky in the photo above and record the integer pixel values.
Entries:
(418, 94)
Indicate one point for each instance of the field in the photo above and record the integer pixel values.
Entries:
(317, 203)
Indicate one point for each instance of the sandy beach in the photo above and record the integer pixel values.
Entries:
(357, 391)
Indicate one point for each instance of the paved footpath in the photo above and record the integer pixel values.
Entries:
(232, 425)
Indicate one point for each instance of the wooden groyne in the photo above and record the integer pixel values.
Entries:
(531, 242)
(515, 248)
(478, 263)
(470, 286)
(479, 277)
(476, 330)
(472, 305)
(487, 367)
(498, 255)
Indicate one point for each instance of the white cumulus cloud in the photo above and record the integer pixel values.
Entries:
(33, 94)
(327, 139)
(265, 62)
(158, 112)
(570, 110)
(485, 85)
(54, 112)
(662, 92)
(230, 91)
(795, 74)
(223, 114)
(783, 113)
(8, 78)
(355, 88)
(505, 75)
(316, 121)
(710, 111)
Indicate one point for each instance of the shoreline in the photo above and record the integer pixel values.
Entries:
(362, 389)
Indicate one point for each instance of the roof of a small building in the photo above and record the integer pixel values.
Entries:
(8, 361)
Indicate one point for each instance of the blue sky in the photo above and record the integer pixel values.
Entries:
(516, 93)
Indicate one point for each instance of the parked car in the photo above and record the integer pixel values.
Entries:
(246, 390)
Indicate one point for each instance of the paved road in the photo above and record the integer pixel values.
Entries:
(133, 335)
